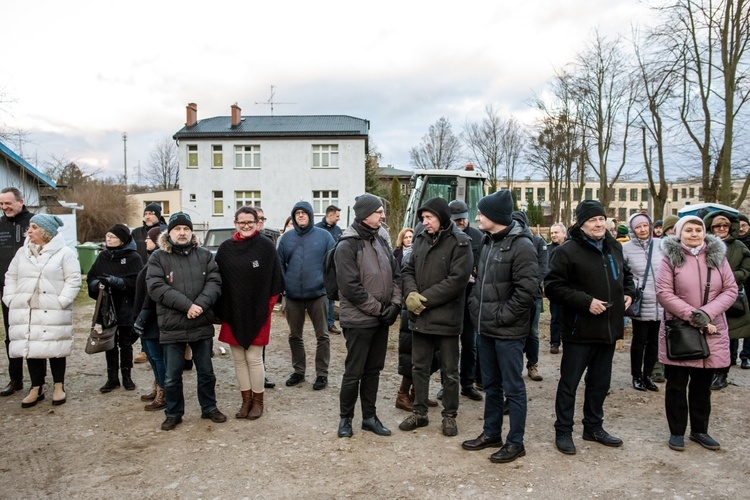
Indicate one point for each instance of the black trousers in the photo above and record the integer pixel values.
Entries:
(596, 361)
(38, 370)
(688, 393)
(122, 352)
(15, 365)
(365, 358)
(644, 349)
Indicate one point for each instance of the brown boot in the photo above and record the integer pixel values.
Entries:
(247, 402)
(151, 395)
(257, 409)
(159, 402)
(403, 400)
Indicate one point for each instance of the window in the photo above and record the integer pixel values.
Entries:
(247, 157)
(325, 156)
(674, 195)
(622, 214)
(589, 192)
(321, 200)
(218, 156)
(192, 156)
(246, 198)
(644, 194)
(634, 211)
(164, 206)
(623, 194)
(597, 194)
(517, 194)
(633, 194)
(218, 202)
(576, 194)
(541, 194)
(692, 192)
(529, 194)
(193, 197)
(684, 192)
(674, 211)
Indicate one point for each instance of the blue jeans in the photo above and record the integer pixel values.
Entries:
(532, 341)
(502, 375)
(155, 353)
(174, 357)
(331, 307)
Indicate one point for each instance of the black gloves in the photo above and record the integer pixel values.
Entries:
(140, 324)
(94, 288)
(389, 315)
(115, 282)
(699, 319)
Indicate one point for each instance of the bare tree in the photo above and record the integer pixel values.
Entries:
(485, 142)
(512, 143)
(163, 170)
(439, 148)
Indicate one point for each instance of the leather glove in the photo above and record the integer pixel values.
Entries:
(140, 324)
(94, 287)
(699, 319)
(115, 282)
(390, 314)
(414, 302)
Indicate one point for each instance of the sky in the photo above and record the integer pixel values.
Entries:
(76, 75)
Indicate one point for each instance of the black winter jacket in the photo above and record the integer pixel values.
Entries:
(439, 269)
(506, 286)
(580, 272)
(140, 234)
(177, 278)
(12, 237)
(123, 262)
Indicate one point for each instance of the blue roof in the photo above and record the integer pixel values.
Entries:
(277, 126)
(5, 150)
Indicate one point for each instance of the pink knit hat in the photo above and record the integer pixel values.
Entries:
(683, 220)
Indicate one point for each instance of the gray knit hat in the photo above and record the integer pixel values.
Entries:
(365, 205)
(50, 223)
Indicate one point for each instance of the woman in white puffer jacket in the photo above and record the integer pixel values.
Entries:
(40, 286)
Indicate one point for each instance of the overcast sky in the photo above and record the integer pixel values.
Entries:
(80, 73)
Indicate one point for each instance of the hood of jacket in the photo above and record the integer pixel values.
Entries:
(633, 237)
(303, 205)
(734, 224)
(166, 245)
(714, 248)
(439, 207)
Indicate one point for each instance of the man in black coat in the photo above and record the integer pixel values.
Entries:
(435, 279)
(151, 218)
(13, 226)
(589, 278)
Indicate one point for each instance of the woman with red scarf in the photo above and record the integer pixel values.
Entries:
(251, 282)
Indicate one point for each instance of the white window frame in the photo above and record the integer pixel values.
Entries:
(217, 196)
(325, 156)
(217, 153)
(247, 198)
(192, 156)
(321, 198)
(247, 156)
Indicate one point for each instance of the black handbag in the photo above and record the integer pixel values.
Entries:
(684, 341)
(635, 307)
(104, 340)
(739, 308)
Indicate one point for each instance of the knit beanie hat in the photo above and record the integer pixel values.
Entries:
(498, 207)
(122, 232)
(743, 218)
(459, 210)
(365, 205)
(439, 207)
(659, 223)
(50, 223)
(588, 209)
(180, 219)
(622, 230)
(153, 234)
(639, 219)
(669, 222)
(681, 223)
(153, 207)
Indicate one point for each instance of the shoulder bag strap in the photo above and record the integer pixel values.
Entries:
(648, 265)
(708, 286)
(98, 306)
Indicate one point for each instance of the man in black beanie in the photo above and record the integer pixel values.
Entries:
(435, 279)
(500, 306)
(588, 277)
(152, 217)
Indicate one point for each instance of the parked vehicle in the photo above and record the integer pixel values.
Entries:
(215, 237)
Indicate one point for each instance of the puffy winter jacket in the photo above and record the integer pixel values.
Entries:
(177, 278)
(40, 287)
(506, 285)
(635, 252)
(680, 287)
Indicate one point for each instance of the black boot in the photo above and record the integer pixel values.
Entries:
(719, 382)
(127, 382)
(113, 382)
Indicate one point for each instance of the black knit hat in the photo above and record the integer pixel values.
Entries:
(122, 232)
(153, 207)
(743, 218)
(588, 209)
(365, 205)
(498, 207)
(180, 219)
(439, 207)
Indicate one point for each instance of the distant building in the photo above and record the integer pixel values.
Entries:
(272, 162)
(386, 175)
(170, 201)
(37, 188)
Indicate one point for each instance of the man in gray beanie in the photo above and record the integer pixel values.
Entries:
(590, 280)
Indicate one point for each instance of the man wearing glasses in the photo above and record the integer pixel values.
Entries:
(301, 252)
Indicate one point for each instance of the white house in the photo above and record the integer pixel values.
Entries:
(272, 162)
(17, 172)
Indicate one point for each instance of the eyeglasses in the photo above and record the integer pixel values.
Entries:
(262, 219)
(720, 226)
(246, 223)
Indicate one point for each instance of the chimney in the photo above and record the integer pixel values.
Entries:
(469, 167)
(236, 115)
(192, 114)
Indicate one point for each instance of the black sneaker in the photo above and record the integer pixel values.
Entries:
(705, 440)
(170, 423)
(676, 443)
(215, 415)
(295, 379)
(320, 383)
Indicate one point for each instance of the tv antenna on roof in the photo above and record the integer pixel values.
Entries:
(270, 101)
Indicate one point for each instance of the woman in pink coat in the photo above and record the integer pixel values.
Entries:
(680, 288)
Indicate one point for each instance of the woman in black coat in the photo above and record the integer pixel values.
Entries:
(117, 267)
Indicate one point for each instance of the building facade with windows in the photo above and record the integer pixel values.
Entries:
(272, 162)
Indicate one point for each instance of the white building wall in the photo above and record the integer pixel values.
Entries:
(286, 176)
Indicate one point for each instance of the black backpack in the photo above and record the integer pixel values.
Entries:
(329, 270)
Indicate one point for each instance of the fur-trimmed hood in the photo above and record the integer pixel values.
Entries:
(166, 245)
(714, 248)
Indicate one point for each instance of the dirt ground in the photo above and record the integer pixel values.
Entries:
(105, 445)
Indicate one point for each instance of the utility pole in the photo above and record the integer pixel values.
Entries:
(125, 157)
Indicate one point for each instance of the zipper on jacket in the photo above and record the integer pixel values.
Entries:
(481, 286)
